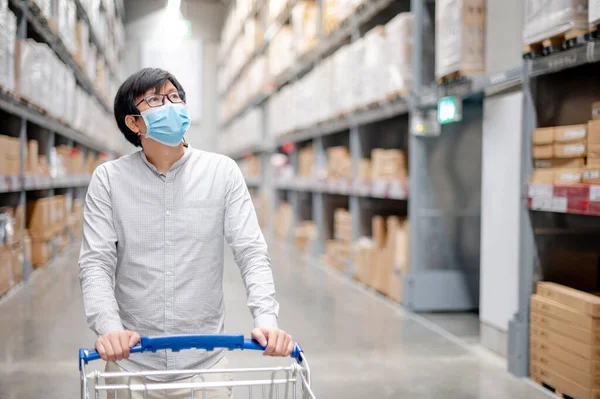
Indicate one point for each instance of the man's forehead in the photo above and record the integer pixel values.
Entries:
(167, 87)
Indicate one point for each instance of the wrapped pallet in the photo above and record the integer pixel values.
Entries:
(545, 19)
(399, 53)
(594, 13)
(460, 37)
(375, 55)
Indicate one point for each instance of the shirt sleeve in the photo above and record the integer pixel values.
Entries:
(98, 257)
(247, 242)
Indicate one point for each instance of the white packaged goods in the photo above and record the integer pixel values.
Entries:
(548, 18)
(82, 35)
(281, 51)
(67, 19)
(275, 8)
(304, 24)
(375, 54)
(8, 33)
(594, 12)
(460, 37)
(250, 124)
(399, 53)
(91, 62)
(45, 6)
(346, 8)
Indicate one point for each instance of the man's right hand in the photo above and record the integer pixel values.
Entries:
(116, 345)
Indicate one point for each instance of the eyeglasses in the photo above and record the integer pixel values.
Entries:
(157, 100)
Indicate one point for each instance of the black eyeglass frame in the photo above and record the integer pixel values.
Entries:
(181, 94)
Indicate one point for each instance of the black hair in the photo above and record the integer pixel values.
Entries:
(134, 86)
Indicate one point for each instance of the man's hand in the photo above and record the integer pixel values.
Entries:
(278, 343)
(115, 345)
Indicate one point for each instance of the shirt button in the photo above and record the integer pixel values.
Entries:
(169, 243)
(168, 304)
(168, 213)
(169, 273)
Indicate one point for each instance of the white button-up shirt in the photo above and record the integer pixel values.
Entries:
(152, 252)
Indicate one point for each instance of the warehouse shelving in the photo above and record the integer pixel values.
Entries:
(24, 121)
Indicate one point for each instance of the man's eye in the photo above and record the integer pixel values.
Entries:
(153, 99)
(175, 96)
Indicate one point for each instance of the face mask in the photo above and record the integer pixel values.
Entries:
(167, 124)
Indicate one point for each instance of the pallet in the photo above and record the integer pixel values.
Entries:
(594, 32)
(557, 43)
(456, 76)
(551, 388)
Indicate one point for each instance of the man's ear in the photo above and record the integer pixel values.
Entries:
(131, 124)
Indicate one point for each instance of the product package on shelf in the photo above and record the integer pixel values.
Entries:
(554, 19)
(565, 339)
(281, 52)
(82, 35)
(284, 218)
(253, 35)
(388, 165)
(399, 53)
(339, 163)
(8, 34)
(375, 53)
(331, 15)
(460, 38)
(305, 234)
(381, 262)
(306, 161)
(304, 24)
(10, 156)
(67, 21)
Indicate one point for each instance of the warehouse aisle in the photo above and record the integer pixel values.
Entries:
(358, 345)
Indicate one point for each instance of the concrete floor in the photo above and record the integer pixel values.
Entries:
(358, 344)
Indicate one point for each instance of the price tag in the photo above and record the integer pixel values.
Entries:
(595, 193)
(540, 190)
(541, 204)
(559, 204)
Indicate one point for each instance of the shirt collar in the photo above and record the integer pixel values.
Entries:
(180, 162)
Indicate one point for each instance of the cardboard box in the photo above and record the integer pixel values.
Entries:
(567, 371)
(565, 342)
(589, 337)
(583, 302)
(5, 271)
(364, 169)
(571, 150)
(593, 132)
(542, 176)
(543, 135)
(570, 134)
(542, 349)
(555, 309)
(378, 227)
(591, 175)
(564, 163)
(545, 151)
(364, 251)
(32, 164)
(568, 176)
(561, 383)
(593, 156)
(41, 252)
(596, 110)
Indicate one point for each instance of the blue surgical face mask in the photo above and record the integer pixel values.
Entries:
(167, 124)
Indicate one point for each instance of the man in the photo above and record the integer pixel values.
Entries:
(151, 259)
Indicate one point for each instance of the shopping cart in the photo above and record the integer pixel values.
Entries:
(280, 382)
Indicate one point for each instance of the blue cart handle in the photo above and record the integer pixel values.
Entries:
(180, 342)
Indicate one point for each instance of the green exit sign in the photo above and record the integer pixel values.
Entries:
(449, 110)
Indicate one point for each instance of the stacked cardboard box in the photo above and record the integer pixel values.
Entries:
(306, 161)
(305, 235)
(339, 163)
(342, 232)
(382, 262)
(546, 19)
(559, 153)
(250, 166)
(565, 340)
(388, 165)
(10, 155)
(330, 16)
(284, 218)
(333, 256)
(12, 247)
(75, 219)
(46, 219)
(460, 37)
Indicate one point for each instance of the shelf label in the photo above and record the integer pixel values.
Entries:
(559, 204)
(541, 204)
(540, 190)
(595, 193)
(498, 78)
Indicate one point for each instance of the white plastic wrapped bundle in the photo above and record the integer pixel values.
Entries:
(8, 33)
(356, 75)
(548, 18)
(374, 61)
(459, 37)
(67, 19)
(399, 53)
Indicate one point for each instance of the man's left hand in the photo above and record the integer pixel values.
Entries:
(277, 341)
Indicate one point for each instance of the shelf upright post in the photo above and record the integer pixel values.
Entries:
(354, 200)
(50, 148)
(23, 192)
(318, 208)
(518, 327)
(294, 194)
